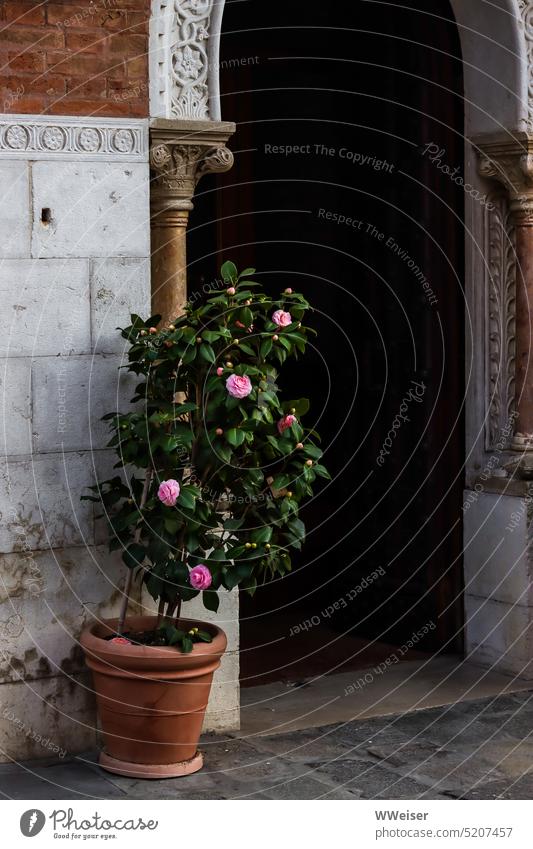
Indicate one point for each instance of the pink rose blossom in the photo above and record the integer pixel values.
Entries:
(168, 492)
(121, 641)
(200, 577)
(237, 386)
(282, 318)
(286, 422)
(220, 371)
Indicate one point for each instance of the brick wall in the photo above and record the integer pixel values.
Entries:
(74, 58)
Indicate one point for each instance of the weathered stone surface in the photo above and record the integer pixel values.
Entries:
(40, 502)
(499, 634)
(96, 209)
(71, 394)
(372, 781)
(49, 596)
(45, 307)
(119, 287)
(14, 210)
(45, 717)
(223, 709)
(496, 550)
(73, 780)
(15, 421)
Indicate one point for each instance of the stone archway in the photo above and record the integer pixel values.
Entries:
(497, 47)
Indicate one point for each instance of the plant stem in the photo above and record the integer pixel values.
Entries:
(178, 613)
(136, 537)
(160, 611)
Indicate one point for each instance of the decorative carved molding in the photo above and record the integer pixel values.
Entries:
(509, 159)
(500, 321)
(55, 137)
(526, 14)
(180, 157)
(185, 36)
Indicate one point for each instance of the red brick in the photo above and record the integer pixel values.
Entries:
(27, 61)
(78, 64)
(37, 37)
(23, 13)
(128, 45)
(49, 84)
(88, 88)
(28, 103)
(85, 42)
(137, 67)
(73, 106)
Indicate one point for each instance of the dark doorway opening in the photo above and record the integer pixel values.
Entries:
(340, 189)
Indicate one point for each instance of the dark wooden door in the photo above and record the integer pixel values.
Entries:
(332, 192)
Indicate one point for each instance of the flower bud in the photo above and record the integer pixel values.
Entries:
(230, 290)
(289, 494)
(220, 370)
(198, 340)
(171, 327)
(275, 337)
(152, 330)
(219, 431)
(299, 445)
(288, 291)
(229, 364)
(309, 463)
(143, 332)
(247, 545)
(267, 546)
(254, 545)
(293, 410)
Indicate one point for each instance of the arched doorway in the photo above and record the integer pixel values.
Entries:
(337, 189)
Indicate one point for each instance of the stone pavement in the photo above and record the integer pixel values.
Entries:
(471, 750)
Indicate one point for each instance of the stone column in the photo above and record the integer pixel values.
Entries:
(180, 153)
(509, 159)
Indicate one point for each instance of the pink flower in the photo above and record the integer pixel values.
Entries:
(282, 318)
(286, 422)
(168, 492)
(220, 371)
(121, 641)
(200, 577)
(237, 386)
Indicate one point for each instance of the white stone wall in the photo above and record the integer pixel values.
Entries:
(74, 263)
(66, 282)
(498, 588)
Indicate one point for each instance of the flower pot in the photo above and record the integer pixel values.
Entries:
(151, 699)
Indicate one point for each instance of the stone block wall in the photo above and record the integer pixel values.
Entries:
(74, 248)
(498, 582)
(74, 58)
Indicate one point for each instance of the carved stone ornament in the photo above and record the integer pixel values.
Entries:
(526, 14)
(178, 159)
(51, 137)
(500, 321)
(509, 159)
(184, 47)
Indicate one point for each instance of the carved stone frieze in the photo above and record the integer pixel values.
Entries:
(53, 137)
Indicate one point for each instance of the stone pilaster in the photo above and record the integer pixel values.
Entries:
(181, 152)
(509, 159)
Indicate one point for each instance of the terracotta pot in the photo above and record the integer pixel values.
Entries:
(151, 699)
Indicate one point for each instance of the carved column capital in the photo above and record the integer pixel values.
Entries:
(181, 153)
(509, 159)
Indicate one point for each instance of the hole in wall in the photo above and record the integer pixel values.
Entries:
(46, 215)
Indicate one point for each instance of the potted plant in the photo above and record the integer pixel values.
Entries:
(220, 465)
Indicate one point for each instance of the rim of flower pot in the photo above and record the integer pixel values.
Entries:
(95, 645)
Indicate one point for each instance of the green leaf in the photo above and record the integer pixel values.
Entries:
(228, 271)
(281, 481)
(187, 645)
(207, 353)
(262, 535)
(134, 555)
(186, 499)
(247, 272)
(204, 636)
(235, 436)
(301, 406)
(210, 600)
